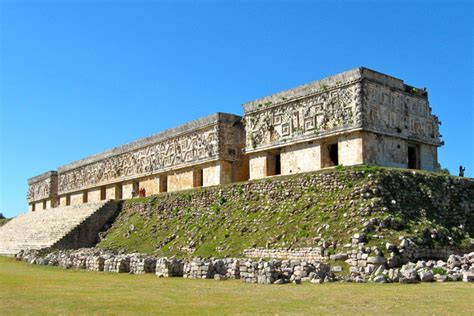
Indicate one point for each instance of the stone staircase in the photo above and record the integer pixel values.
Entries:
(62, 227)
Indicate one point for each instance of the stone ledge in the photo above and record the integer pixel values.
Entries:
(327, 83)
(42, 176)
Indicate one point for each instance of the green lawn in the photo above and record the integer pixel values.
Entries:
(50, 290)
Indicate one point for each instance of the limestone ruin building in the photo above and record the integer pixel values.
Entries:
(356, 117)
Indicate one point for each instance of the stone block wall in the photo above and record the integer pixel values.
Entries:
(150, 184)
(429, 157)
(221, 172)
(180, 180)
(64, 201)
(258, 165)
(350, 149)
(212, 175)
(455, 268)
(127, 189)
(302, 157)
(309, 253)
(385, 150)
(113, 191)
(391, 151)
(95, 195)
(308, 156)
(77, 198)
(38, 206)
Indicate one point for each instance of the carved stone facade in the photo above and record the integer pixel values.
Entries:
(400, 113)
(314, 116)
(356, 117)
(195, 147)
(207, 151)
(42, 190)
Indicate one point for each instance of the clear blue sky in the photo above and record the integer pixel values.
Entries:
(80, 77)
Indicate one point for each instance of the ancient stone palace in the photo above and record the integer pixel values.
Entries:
(356, 117)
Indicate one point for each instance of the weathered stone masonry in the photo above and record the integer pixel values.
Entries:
(43, 191)
(357, 117)
(204, 152)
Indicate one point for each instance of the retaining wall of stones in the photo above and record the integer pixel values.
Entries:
(310, 253)
(273, 271)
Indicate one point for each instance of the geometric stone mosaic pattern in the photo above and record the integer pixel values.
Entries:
(197, 146)
(359, 98)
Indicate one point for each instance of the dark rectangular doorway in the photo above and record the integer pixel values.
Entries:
(198, 178)
(278, 164)
(102, 193)
(274, 163)
(412, 157)
(164, 183)
(333, 154)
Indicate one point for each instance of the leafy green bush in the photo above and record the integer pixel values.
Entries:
(439, 270)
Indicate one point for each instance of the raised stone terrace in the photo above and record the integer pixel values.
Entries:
(62, 227)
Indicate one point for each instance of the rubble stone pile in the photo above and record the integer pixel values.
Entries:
(140, 264)
(375, 269)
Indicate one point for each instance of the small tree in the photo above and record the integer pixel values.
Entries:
(1, 216)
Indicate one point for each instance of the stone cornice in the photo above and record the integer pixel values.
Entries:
(328, 84)
(42, 176)
(402, 136)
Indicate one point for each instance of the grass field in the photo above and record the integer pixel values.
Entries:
(51, 290)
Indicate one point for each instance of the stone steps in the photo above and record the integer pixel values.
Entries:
(47, 228)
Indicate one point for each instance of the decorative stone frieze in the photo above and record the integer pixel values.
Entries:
(43, 186)
(215, 137)
(399, 114)
(325, 112)
(358, 99)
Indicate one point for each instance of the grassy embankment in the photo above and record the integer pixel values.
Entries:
(26, 289)
(298, 211)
